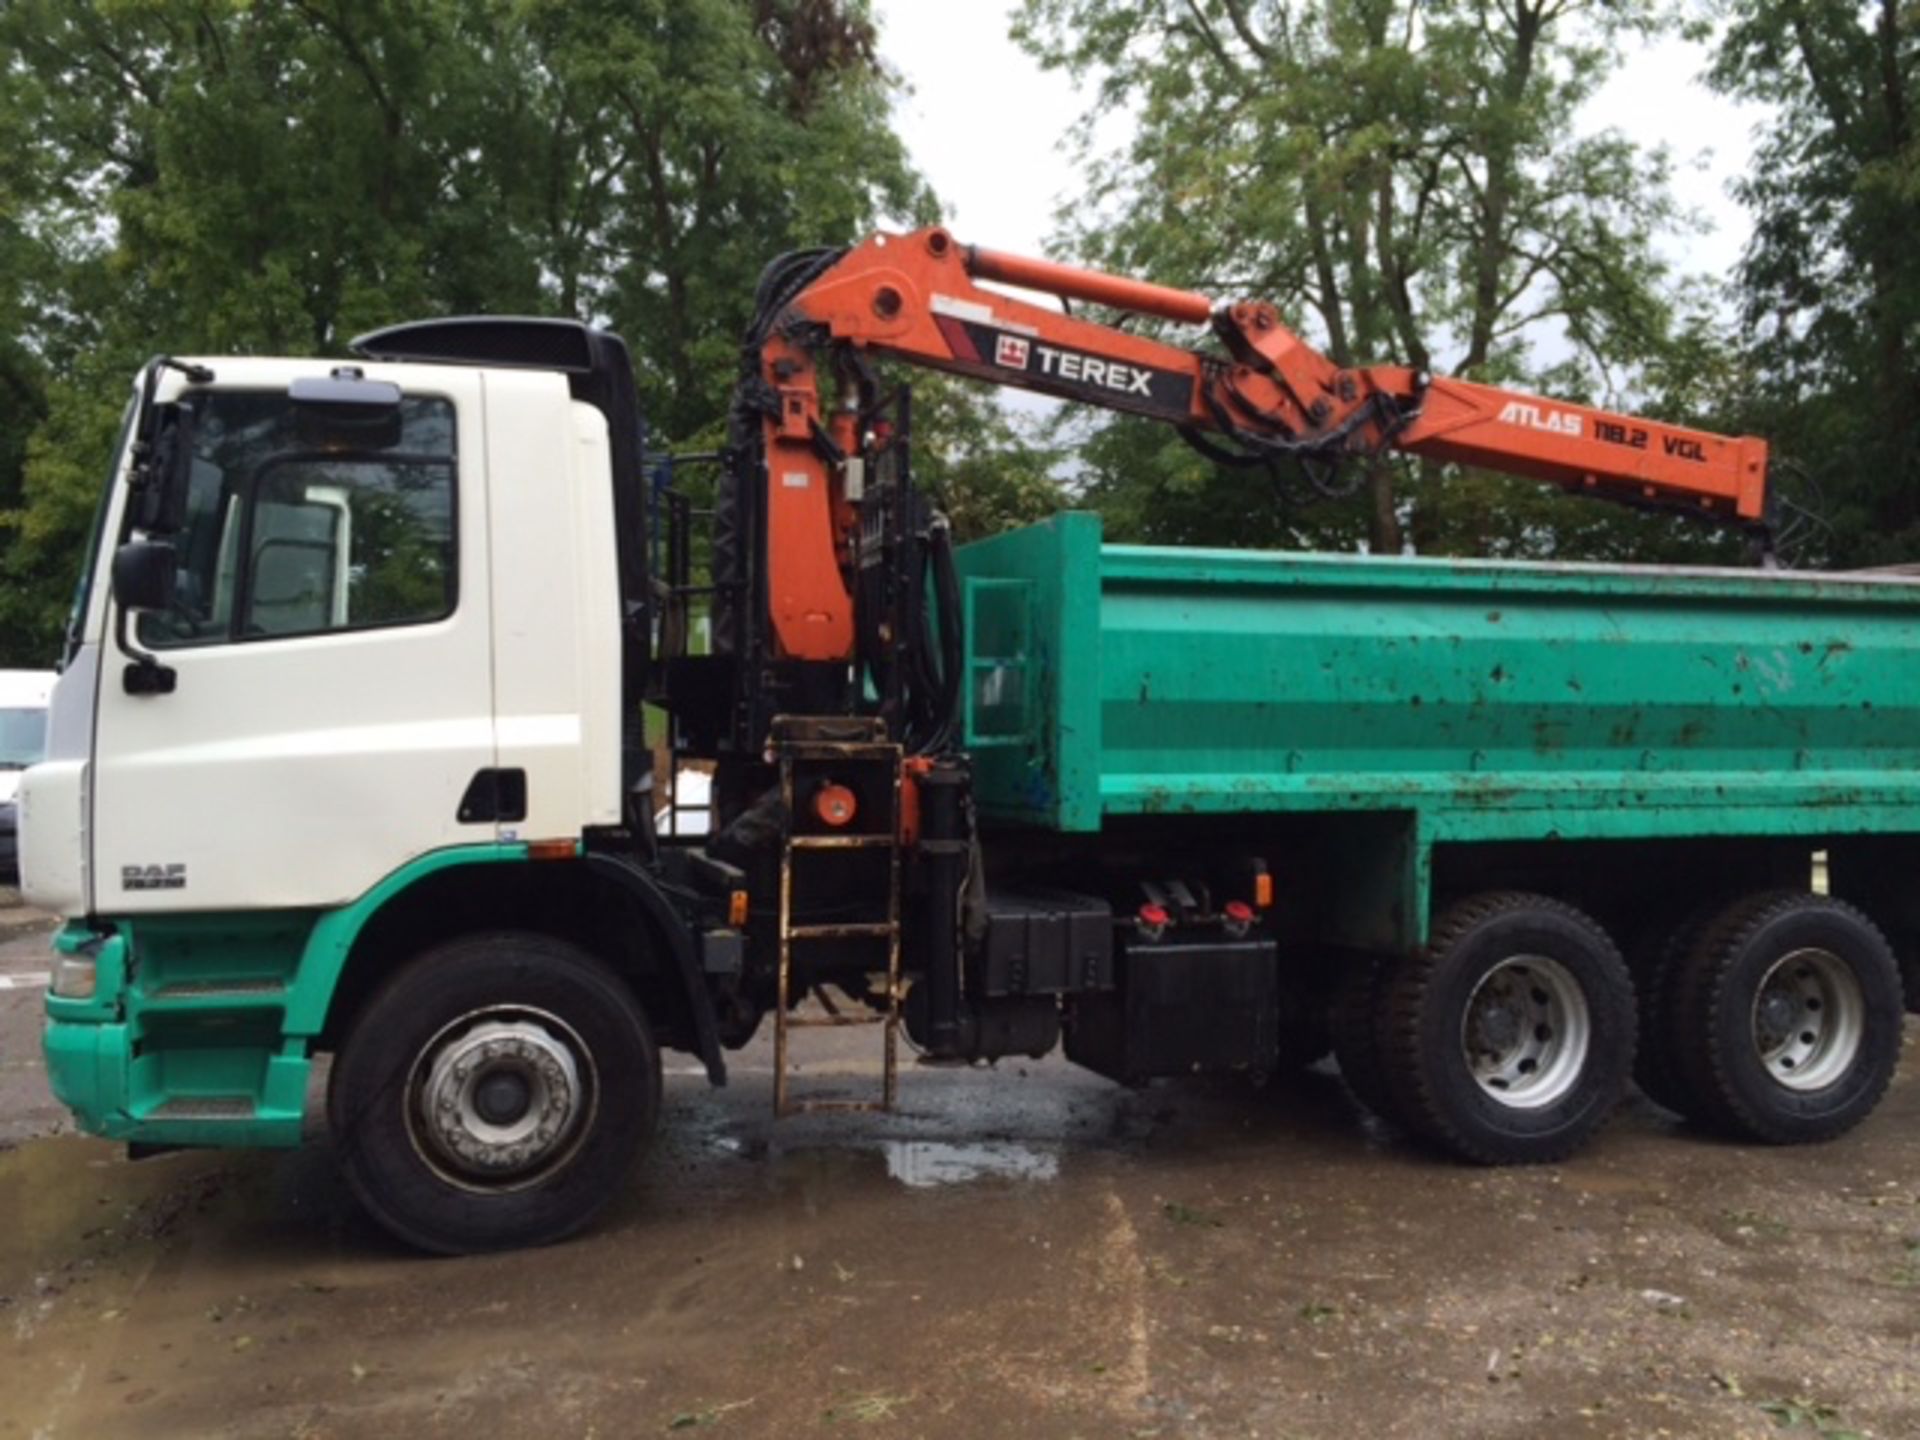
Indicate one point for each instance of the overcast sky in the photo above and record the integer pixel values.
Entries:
(985, 124)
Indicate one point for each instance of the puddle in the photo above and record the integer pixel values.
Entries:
(921, 1164)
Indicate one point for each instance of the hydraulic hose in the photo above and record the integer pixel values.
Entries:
(946, 584)
(934, 641)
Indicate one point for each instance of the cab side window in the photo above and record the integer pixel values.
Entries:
(283, 539)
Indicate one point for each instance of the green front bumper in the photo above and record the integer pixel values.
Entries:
(161, 1071)
(87, 1069)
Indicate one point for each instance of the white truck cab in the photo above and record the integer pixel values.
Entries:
(359, 643)
(357, 636)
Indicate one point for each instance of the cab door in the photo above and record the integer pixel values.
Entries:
(329, 643)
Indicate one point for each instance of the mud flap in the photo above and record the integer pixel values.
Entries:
(686, 961)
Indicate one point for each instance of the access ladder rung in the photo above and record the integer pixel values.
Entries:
(837, 750)
(828, 1022)
(863, 930)
(841, 842)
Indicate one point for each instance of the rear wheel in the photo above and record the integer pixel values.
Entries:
(1657, 962)
(1786, 1019)
(494, 1094)
(1510, 1039)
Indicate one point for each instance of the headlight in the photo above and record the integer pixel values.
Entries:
(75, 977)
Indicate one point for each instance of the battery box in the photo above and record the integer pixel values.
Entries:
(1043, 942)
(1183, 1005)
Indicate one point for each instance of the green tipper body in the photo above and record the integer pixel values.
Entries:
(1450, 700)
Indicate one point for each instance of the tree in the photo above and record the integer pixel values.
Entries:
(987, 469)
(1406, 180)
(713, 135)
(1830, 283)
(282, 175)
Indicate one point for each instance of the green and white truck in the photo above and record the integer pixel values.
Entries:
(345, 760)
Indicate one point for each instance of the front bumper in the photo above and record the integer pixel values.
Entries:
(85, 1041)
(87, 1070)
(137, 1067)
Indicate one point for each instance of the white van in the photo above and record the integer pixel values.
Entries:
(23, 740)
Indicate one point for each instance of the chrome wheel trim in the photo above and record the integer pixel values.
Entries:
(1526, 1031)
(1808, 1019)
(501, 1099)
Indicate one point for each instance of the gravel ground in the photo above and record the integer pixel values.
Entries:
(1031, 1253)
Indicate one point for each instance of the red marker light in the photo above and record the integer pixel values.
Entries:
(1240, 912)
(1153, 917)
(834, 805)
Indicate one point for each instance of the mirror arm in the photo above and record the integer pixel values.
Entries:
(141, 454)
(144, 675)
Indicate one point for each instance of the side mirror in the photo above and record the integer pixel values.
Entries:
(160, 484)
(144, 573)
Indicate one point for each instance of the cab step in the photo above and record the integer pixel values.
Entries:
(242, 989)
(205, 1107)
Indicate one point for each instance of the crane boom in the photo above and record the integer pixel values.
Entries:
(1270, 396)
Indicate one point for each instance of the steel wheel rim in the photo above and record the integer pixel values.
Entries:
(1526, 1032)
(1808, 1019)
(501, 1098)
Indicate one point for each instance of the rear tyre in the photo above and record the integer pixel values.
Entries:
(1656, 963)
(1510, 1039)
(494, 1094)
(1786, 1020)
(1910, 973)
(1354, 1021)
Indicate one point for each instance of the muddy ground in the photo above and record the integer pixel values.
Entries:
(1031, 1253)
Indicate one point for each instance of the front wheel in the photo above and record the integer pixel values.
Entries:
(1510, 1039)
(494, 1094)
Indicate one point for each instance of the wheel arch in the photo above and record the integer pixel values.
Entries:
(602, 903)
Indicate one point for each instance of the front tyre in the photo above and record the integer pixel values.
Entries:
(1510, 1039)
(494, 1094)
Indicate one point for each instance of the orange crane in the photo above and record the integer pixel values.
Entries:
(1269, 396)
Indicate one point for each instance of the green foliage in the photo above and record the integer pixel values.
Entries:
(1803, 1414)
(45, 537)
(278, 176)
(1830, 283)
(1405, 180)
(987, 470)
(399, 564)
